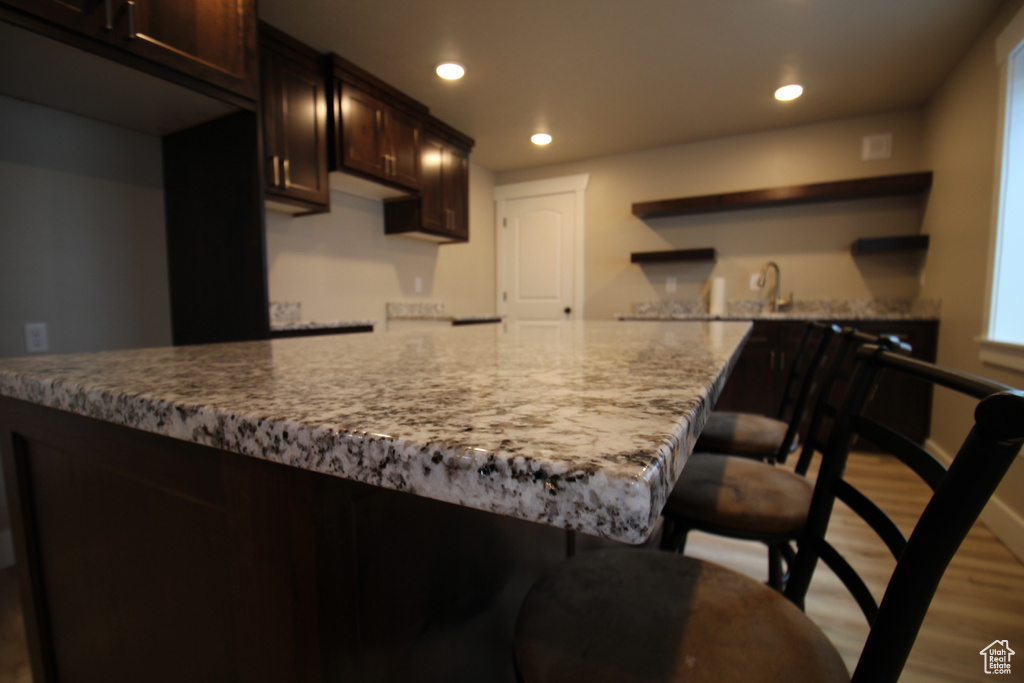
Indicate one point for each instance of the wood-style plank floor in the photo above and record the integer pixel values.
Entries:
(981, 598)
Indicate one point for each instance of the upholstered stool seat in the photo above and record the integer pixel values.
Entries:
(747, 434)
(741, 495)
(632, 616)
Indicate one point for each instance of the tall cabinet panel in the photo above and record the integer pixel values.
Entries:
(294, 124)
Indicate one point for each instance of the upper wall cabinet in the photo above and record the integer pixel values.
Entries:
(376, 131)
(440, 212)
(208, 45)
(294, 103)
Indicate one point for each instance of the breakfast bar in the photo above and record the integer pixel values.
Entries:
(345, 507)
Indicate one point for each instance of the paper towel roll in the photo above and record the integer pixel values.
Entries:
(716, 303)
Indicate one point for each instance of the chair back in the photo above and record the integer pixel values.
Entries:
(835, 380)
(959, 494)
(802, 380)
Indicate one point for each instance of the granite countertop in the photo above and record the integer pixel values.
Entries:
(578, 425)
(809, 309)
(329, 324)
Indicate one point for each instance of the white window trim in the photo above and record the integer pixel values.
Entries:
(1003, 354)
(992, 351)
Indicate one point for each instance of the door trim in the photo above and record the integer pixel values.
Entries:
(577, 184)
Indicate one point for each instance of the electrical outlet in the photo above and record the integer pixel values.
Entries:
(417, 284)
(670, 284)
(36, 339)
(754, 277)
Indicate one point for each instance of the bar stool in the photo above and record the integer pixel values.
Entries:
(766, 438)
(648, 616)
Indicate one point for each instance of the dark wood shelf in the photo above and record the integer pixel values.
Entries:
(886, 245)
(678, 255)
(861, 188)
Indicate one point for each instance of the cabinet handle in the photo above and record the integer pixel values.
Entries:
(108, 15)
(277, 176)
(287, 174)
(782, 361)
(771, 360)
(130, 4)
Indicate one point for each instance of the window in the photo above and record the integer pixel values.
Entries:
(1004, 344)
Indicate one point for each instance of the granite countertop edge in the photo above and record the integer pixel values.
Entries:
(614, 503)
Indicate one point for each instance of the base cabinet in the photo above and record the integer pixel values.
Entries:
(758, 380)
(147, 558)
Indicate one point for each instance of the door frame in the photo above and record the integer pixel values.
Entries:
(576, 184)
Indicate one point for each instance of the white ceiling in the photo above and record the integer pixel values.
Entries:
(611, 76)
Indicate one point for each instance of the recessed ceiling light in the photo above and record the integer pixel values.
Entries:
(450, 71)
(541, 139)
(789, 92)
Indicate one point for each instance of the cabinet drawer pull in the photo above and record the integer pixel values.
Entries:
(130, 4)
(287, 175)
(108, 15)
(277, 175)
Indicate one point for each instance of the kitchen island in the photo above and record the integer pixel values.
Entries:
(354, 507)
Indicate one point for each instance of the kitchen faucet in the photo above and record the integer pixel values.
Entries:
(776, 303)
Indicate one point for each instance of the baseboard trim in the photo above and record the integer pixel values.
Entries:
(6, 549)
(1007, 525)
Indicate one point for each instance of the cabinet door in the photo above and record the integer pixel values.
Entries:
(753, 386)
(455, 185)
(432, 184)
(295, 130)
(213, 40)
(403, 147)
(362, 127)
(86, 16)
(901, 402)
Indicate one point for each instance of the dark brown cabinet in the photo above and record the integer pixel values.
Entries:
(294, 105)
(210, 42)
(377, 140)
(758, 379)
(376, 131)
(440, 212)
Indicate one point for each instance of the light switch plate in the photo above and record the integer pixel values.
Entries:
(754, 277)
(670, 284)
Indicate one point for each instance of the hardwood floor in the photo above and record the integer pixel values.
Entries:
(13, 654)
(981, 598)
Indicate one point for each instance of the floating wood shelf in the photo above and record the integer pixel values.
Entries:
(678, 255)
(886, 245)
(861, 188)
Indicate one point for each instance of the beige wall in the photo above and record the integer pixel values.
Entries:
(341, 265)
(962, 135)
(811, 244)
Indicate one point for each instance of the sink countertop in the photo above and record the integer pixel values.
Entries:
(578, 425)
(811, 309)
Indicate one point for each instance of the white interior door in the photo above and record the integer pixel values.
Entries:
(539, 257)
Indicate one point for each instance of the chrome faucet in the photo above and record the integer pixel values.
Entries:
(776, 303)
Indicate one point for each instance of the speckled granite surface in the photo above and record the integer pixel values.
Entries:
(282, 327)
(579, 425)
(415, 310)
(810, 309)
